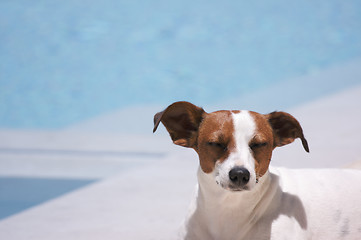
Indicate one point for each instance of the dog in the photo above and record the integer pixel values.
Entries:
(239, 196)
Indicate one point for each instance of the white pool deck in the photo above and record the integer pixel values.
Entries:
(145, 182)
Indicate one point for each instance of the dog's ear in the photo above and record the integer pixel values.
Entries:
(182, 120)
(286, 129)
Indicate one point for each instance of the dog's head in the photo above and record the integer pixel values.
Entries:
(234, 146)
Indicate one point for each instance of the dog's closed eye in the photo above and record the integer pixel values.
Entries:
(217, 145)
(255, 146)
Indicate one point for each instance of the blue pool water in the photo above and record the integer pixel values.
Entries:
(65, 61)
(18, 194)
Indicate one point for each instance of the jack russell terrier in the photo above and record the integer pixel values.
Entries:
(240, 197)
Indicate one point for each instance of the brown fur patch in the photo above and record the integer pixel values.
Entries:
(262, 144)
(286, 129)
(181, 120)
(215, 139)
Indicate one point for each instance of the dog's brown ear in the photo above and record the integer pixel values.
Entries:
(182, 120)
(286, 129)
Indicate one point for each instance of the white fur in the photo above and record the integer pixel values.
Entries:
(285, 204)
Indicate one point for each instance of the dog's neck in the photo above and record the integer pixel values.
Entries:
(217, 206)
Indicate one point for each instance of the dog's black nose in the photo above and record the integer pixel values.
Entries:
(239, 176)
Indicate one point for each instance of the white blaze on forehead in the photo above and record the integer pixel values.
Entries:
(244, 131)
(244, 126)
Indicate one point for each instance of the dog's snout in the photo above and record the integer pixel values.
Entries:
(239, 176)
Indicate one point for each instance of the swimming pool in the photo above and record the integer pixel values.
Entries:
(18, 194)
(63, 62)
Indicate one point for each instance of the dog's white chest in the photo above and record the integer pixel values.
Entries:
(286, 204)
